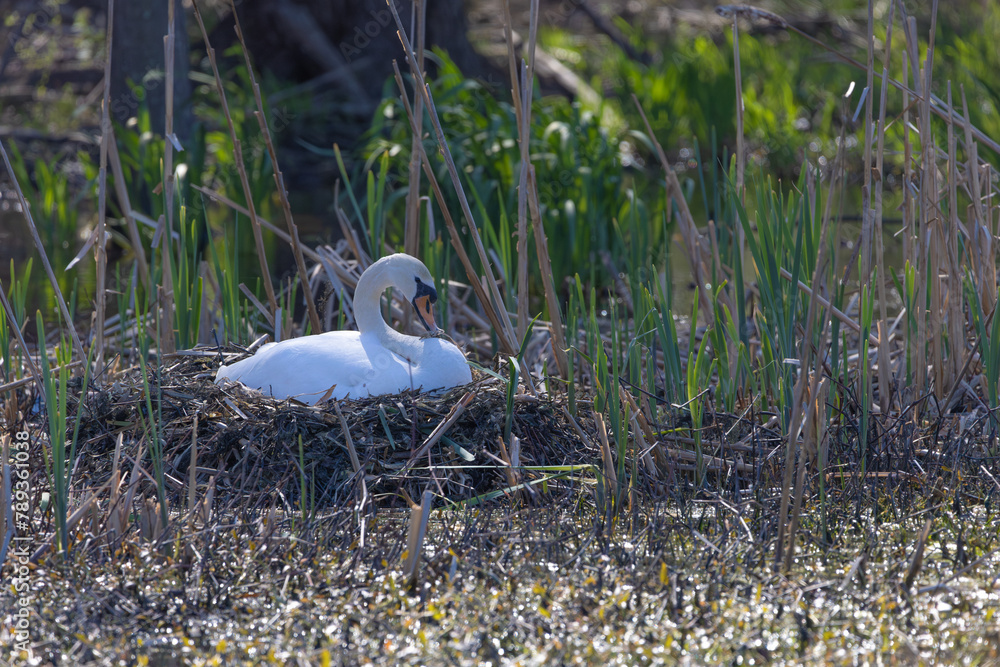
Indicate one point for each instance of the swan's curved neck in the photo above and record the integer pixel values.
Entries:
(368, 311)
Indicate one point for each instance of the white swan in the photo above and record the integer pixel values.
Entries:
(374, 360)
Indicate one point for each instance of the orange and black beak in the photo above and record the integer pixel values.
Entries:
(423, 303)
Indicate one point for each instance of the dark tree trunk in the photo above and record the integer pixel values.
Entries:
(138, 64)
(350, 44)
(339, 54)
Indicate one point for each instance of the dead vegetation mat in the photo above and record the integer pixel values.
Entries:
(253, 444)
(251, 448)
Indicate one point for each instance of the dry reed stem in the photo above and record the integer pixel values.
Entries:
(165, 330)
(740, 156)
(610, 474)
(270, 226)
(866, 211)
(844, 318)
(980, 231)
(484, 299)
(501, 324)
(956, 331)
(240, 168)
(909, 249)
(936, 105)
(273, 321)
(122, 192)
(926, 164)
(348, 440)
(560, 345)
(71, 522)
(884, 381)
(411, 233)
(800, 476)
(515, 85)
(100, 247)
(60, 301)
(784, 553)
(524, 138)
(505, 333)
(279, 182)
(441, 429)
(740, 147)
(193, 473)
(689, 232)
(506, 459)
(419, 514)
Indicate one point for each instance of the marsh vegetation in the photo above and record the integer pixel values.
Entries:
(735, 366)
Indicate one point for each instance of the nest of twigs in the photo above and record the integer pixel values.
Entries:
(255, 444)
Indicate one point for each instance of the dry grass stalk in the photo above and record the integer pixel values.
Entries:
(610, 475)
(500, 323)
(884, 381)
(100, 246)
(441, 429)
(123, 199)
(937, 106)
(266, 224)
(165, 329)
(981, 241)
(548, 282)
(867, 214)
(419, 514)
(279, 183)
(524, 137)
(805, 352)
(740, 150)
(693, 240)
(60, 301)
(909, 233)
(955, 320)
(515, 84)
(193, 473)
(928, 187)
(917, 560)
(511, 462)
(272, 321)
(348, 440)
(741, 158)
(844, 318)
(411, 233)
(524, 134)
(505, 332)
(115, 517)
(346, 229)
(240, 168)
(815, 414)
(151, 520)
(74, 519)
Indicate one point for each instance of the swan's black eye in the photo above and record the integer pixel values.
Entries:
(423, 289)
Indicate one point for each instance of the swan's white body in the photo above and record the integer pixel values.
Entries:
(372, 361)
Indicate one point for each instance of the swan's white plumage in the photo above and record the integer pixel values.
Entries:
(375, 360)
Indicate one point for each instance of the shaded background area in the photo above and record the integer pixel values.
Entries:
(325, 69)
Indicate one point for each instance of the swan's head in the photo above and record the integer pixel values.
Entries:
(411, 277)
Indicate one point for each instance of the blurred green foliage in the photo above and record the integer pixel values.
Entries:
(584, 185)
